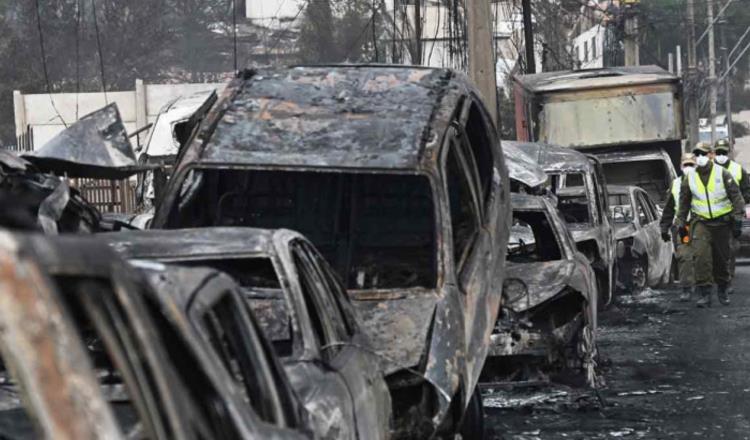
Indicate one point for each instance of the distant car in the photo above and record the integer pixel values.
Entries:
(95, 351)
(302, 308)
(578, 181)
(643, 258)
(743, 253)
(549, 311)
(396, 175)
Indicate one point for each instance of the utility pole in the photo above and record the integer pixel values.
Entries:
(690, 83)
(418, 31)
(727, 83)
(528, 34)
(713, 90)
(481, 55)
(632, 51)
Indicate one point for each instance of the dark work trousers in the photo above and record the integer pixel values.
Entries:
(711, 251)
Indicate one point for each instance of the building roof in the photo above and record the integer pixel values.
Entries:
(328, 116)
(576, 80)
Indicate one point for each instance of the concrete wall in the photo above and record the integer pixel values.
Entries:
(138, 107)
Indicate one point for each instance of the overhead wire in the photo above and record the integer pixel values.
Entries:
(99, 50)
(44, 63)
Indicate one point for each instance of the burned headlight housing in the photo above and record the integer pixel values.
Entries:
(514, 289)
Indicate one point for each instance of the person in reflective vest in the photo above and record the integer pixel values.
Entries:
(722, 149)
(712, 199)
(683, 250)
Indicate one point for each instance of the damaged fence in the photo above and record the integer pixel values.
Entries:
(107, 195)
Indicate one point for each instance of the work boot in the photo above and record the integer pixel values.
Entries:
(705, 296)
(687, 293)
(730, 290)
(723, 295)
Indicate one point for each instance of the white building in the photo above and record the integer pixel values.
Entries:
(588, 47)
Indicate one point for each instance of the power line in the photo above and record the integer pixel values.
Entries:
(44, 62)
(99, 49)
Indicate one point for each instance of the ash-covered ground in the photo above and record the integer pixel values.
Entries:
(672, 371)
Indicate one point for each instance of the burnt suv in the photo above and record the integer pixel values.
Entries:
(396, 176)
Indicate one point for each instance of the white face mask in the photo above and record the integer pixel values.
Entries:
(721, 159)
(687, 170)
(702, 161)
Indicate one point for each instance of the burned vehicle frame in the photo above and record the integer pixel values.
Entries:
(75, 313)
(578, 181)
(549, 313)
(643, 258)
(395, 174)
(301, 307)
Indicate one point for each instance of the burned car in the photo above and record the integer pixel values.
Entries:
(743, 243)
(643, 258)
(302, 308)
(172, 129)
(579, 183)
(651, 170)
(549, 311)
(95, 351)
(33, 200)
(396, 176)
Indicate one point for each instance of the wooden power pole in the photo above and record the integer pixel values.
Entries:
(528, 34)
(714, 94)
(632, 50)
(691, 83)
(481, 53)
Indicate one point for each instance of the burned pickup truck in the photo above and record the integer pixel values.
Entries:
(396, 176)
(579, 184)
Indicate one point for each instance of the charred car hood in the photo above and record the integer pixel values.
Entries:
(522, 168)
(96, 146)
(544, 281)
(397, 326)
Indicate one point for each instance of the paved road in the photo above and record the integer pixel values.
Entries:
(672, 371)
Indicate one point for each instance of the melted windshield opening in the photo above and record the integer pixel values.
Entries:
(377, 230)
(532, 238)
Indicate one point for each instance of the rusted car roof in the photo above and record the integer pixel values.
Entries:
(163, 243)
(576, 80)
(350, 117)
(555, 158)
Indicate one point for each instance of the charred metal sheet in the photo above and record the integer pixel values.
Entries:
(546, 280)
(96, 146)
(9, 160)
(41, 349)
(553, 158)
(328, 116)
(51, 209)
(522, 167)
(595, 78)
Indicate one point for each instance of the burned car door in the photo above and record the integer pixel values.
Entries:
(345, 353)
(322, 388)
(223, 319)
(601, 198)
(650, 233)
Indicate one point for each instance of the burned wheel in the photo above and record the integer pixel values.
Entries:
(587, 353)
(472, 426)
(639, 274)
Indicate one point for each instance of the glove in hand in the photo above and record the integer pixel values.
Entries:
(666, 237)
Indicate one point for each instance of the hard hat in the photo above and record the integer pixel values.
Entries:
(704, 147)
(722, 144)
(688, 159)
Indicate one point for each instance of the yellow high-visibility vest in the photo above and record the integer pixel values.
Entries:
(709, 202)
(735, 170)
(676, 185)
